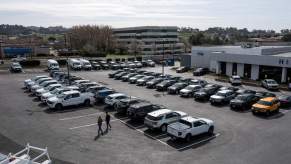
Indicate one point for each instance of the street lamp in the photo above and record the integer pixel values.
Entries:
(66, 49)
(1, 49)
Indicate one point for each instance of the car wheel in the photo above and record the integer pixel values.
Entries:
(188, 137)
(58, 106)
(268, 113)
(87, 102)
(164, 128)
(211, 130)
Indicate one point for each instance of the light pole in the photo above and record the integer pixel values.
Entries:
(163, 62)
(66, 49)
(1, 49)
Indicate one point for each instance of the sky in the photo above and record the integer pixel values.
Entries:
(202, 14)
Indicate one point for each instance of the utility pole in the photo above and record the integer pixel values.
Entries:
(1, 49)
(135, 46)
(163, 62)
(66, 48)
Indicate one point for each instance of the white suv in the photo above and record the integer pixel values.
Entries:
(160, 119)
(235, 80)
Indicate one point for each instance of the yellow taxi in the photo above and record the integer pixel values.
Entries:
(266, 105)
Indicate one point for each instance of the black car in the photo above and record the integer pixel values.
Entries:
(229, 88)
(205, 93)
(243, 101)
(126, 77)
(119, 75)
(200, 71)
(262, 94)
(245, 91)
(140, 110)
(95, 65)
(123, 104)
(182, 69)
(104, 65)
(15, 67)
(186, 80)
(285, 101)
(154, 82)
(112, 74)
(176, 78)
(164, 85)
(174, 89)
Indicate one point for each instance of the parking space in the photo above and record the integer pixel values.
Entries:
(70, 134)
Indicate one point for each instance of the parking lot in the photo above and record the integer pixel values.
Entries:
(70, 134)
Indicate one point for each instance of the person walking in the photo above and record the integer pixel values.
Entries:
(107, 119)
(99, 122)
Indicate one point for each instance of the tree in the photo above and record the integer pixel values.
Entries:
(51, 39)
(287, 37)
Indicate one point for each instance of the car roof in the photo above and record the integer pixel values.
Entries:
(268, 99)
(160, 112)
(194, 86)
(116, 95)
(225, 91)
(71, 92)
(235, 76)
(190, 119)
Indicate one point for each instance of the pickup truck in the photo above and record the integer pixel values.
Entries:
(70, 98)
(187, 127)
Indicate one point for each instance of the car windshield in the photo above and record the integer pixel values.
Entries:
(16, 65)
(54, 91)
(61, 96)
(220, 94)
(177, 84)
(185, 123)
(154, 118)
(272, 82)
(266, 103)
(190, 87)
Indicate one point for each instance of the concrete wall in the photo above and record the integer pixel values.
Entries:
(240, 69)
(186, 60)
(229, 69)
(255, 72)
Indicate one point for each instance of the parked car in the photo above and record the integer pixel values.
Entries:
(95, 65)
(133, 79)
(95, 89)
(234, 89)
(200, 71)
(70, 98)
(37, 82)
(175, 89)
(56, 92)
(182, 69)
(128, 76)
(160, 119)
(187, 127)
(104, 65)
(245, 91)
(186, 80)
(47, 89)
(79, 82)
(112, 74)
(285, 101)
(154, 82)
(266, 105)
(205, 93)
(85, 86)
(101, 94)
(33, 80)
(119, 75)
(198, 82)
(176, 78)
(222, 97)
(137, 64)
(42, 85)
(150, 63)
(142, 81)
(262, 94)
(114, 98)
(15, 67)
(270, 84)
(190, 90)
(235, 80)
(243, 101)
(122, 105)
(164, 85)
(139, 111)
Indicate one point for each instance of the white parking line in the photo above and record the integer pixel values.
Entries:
(76, 117)
(196, 143)
(88, 125)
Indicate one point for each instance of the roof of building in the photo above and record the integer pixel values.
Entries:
(145, 27)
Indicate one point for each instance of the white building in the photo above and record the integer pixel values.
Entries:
(149, 40)
(254, 63)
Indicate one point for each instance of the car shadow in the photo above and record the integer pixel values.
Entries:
(120, 115)
(155, 134)
(36, 99)
(240, 110)
(135, 123)
(196, 141)
(66, 109)
(201, 101)
(42, 104)
(271, 117)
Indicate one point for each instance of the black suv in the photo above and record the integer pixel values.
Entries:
(164, 85)
(95, 65)
(243, 101)
(174, 89)
(126, 77)
(205, 93)
(154, 82)
(119, 75)
(123, 104)
(243, 91)
(140, 110)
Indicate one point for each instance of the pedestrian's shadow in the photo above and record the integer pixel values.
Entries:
(96, 137)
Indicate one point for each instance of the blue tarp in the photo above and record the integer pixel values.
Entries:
(14, 52)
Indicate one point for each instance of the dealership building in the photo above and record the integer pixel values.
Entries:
(149, 40)
(254, 63)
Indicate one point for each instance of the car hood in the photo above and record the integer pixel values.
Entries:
(273, 85)
(35, 86)
(185, 91)
(209, 122)
(140, 80)
(216, 97)
(235, 101)
(53, 99)
(40, 90)
(173, 88)
(48, 94)
(179, 126)
(260, 106)
(200, 93)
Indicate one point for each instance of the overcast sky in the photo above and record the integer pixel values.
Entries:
(252, 14)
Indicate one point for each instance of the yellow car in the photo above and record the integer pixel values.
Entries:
(266, 105)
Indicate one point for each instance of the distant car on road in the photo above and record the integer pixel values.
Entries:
(182, 69)
(15, 67)
(235, 80)
(270, 84)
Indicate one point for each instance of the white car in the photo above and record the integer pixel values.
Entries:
(235, 80)
(160, 119)
(43, 85)
(37, 82)
(78, 82)
(70, 98)
(49, 88)
(190, 90)
(189, 126)
(33, 79)
(270, 84)
(56, 91)
(112, 99)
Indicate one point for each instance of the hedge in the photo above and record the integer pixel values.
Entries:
(30, 63)
(62, 61)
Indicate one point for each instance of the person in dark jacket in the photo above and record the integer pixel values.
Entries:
(99, 122)
(107, 119)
